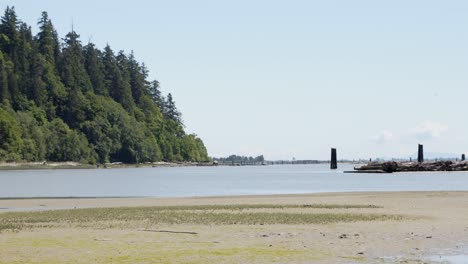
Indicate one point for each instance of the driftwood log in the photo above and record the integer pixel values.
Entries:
(392, 166)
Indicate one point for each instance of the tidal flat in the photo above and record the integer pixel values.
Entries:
(406, 227)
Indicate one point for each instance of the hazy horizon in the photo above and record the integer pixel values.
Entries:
(294, 79)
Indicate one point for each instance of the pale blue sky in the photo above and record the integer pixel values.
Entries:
(294, 78)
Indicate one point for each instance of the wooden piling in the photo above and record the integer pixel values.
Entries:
(333, 161)
(420, 153)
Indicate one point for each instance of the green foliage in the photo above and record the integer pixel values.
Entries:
(46, 39)
(65, 144)
(95, 68)
(10, 137)
(69, 102)
(241, 159)
(34, 134)
(72, 68)
(4, 71)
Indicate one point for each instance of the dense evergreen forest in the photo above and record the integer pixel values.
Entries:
(62, 100)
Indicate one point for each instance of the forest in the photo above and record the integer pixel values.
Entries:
(64, 100)
(240, 159)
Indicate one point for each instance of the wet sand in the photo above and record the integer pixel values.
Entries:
(436, 224)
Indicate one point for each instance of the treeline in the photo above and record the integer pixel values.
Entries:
(241, 159)
(61, 100)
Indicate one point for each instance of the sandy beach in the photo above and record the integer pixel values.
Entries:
(404, 227)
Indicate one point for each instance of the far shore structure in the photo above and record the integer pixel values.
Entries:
(420, 165)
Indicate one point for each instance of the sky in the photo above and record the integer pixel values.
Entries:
(294, 78)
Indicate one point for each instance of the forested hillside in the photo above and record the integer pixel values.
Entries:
(64, 100)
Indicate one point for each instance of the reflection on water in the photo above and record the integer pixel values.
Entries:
(211, 181)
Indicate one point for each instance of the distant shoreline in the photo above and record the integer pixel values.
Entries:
(77, 165)
(118, 165)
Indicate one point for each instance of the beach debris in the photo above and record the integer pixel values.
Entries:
(393, 166)
(428, 236)
(360, 253)
(343, 236)
(168, 231)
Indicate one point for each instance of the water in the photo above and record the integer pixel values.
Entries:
(213, 181)
(459, 259)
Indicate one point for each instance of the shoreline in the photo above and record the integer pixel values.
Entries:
(5, 166)
(77, 165)
(272, 195)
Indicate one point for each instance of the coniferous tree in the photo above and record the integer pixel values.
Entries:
(156, 95)
(138, 76)
(4, 72)
(170, 110)
(44, 68)
(38, 87)
(10, 38)
(75, 79)
(72, 68)
(24, 53)
(123, 89)
(95, 69)
(9, 32)
(46, 39)
(112, 75)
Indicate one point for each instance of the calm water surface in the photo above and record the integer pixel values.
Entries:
(211, 181)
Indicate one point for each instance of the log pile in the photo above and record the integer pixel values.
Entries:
(392, 166)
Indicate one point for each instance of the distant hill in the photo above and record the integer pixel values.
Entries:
(69, 101)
